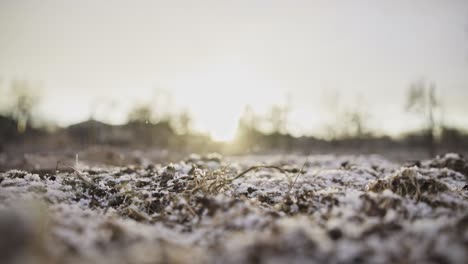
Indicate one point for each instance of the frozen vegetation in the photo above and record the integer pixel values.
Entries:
(249, 209)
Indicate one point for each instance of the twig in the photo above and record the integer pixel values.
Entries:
(297, 176)
(258, 167)
(82, 178)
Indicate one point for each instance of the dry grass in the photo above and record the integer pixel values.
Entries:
(409, 182)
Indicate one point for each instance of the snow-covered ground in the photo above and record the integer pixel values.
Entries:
(249, 209)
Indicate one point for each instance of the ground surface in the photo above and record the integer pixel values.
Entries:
(322, 209)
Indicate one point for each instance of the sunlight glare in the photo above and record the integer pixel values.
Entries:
(217, 94)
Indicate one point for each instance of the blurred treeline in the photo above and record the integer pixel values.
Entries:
(20, 126)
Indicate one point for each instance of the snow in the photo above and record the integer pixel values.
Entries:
(332, 212)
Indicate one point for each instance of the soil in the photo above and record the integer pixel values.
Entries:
(247, 209)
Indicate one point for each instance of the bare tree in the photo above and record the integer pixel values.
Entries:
(141, 114)
(247, 135)
(278, 116)
(24, 101)
(356, 123)
(349, 121)
(277, 119)
(421, 100)
(182, 122)
(248, 119)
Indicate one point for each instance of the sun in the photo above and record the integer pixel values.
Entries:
(217, 93)
(223, 132)
(218, 97)
(218, 120)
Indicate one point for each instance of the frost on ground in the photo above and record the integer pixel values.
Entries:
(288, 209)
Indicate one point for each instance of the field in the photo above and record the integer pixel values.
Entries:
(246, 209)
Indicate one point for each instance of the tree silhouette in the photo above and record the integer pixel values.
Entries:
(421, 100)
(141, 114)
(182, 122)
(24, 101)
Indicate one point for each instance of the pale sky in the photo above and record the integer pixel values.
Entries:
(215, 57)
